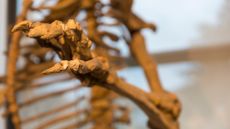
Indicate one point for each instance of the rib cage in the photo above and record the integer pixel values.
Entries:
(29, 81)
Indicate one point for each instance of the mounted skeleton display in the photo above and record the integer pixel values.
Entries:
(84, 55)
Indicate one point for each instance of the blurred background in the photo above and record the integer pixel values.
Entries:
(192, 48)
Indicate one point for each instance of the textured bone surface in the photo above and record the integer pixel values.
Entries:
(161, 107)
(85, 57)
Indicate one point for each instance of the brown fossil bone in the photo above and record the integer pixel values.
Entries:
(94, 67)
(102, 99)
(64, 117)
(53, 94)
(74, 49)
(25, 77)
(53, 111)
(2, 95)
(11, 68)
(122, 12)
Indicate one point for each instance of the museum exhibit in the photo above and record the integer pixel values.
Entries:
(114, 64)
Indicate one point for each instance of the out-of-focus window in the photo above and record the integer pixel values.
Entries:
(179, 21)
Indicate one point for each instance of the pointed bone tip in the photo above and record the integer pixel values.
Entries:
(59, 67)
(22, 26)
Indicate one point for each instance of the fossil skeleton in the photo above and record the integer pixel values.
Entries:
(85, 56)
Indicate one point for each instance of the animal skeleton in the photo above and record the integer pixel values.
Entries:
(94, 67)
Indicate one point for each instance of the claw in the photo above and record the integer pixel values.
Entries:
(153, 27)
(63, 66)
(59, 67)
(25, 25)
